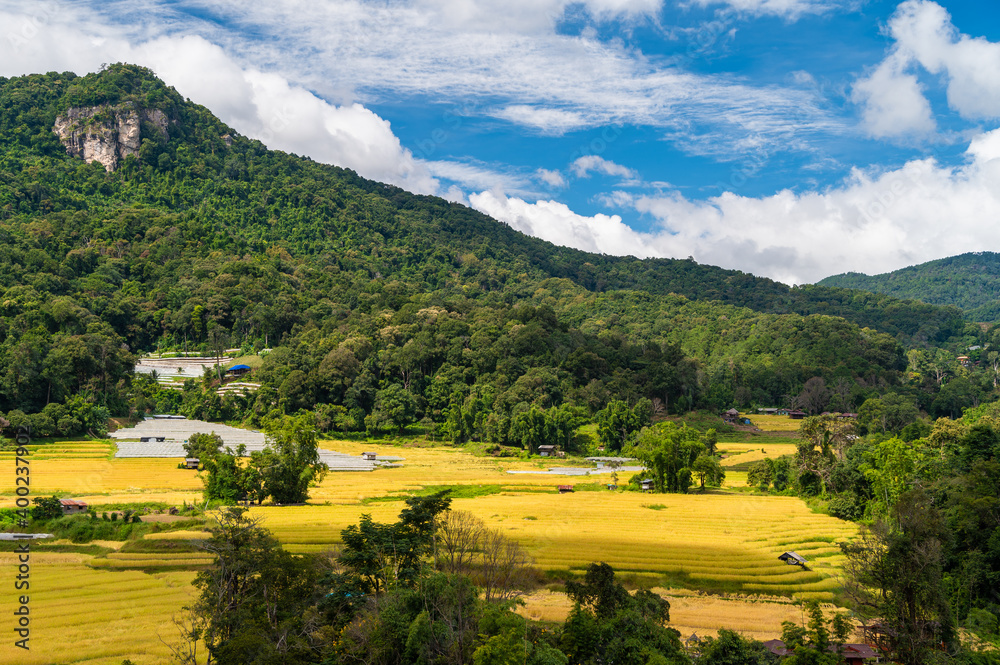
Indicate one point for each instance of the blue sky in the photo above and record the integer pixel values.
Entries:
(788, 138)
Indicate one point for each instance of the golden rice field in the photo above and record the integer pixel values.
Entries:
(759, 617)
(712, 540)
(773, 423)
(87, 470)
(93, 617)
(101, 610)
(748, 453)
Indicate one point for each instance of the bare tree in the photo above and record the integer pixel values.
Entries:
(814, 396)
(505, 566)
(185, 649)
(499, 565)
(460, 536)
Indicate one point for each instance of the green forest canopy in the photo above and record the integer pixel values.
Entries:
(206, 239)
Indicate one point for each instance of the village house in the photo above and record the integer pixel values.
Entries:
(72, 506)
(851, 654)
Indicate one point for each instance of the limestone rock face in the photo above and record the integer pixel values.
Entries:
(105, 133)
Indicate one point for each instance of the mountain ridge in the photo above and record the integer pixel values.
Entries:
(203, 237)
(970, 281)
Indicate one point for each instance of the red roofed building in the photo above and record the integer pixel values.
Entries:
(72, 506)
(852, 654)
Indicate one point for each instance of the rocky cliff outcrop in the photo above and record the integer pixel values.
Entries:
(107, 134)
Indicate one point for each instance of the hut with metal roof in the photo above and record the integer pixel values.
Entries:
(238, 370)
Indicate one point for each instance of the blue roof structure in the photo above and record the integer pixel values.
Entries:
(238, 367)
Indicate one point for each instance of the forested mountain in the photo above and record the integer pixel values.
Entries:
(377, 301)
(969, 281)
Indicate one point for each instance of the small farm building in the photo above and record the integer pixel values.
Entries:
(564, 489)
(238, 370)
(546, 450)
(369, 456)
(796, 415)
(152, 439)
(72, 506)
(851, 654)
(793, 559)
(647, 485)
(191, 462)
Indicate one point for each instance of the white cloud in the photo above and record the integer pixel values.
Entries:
(871, 223)
(555, 222)
(788, 8)
(551, 178)
(924, 35)
(893, 103)
(547, 120)
(923, 31)
(478, 176)
(583, 166)
(502, 58)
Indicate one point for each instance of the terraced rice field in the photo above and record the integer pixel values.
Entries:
(101, 610)
(152, 560)
(744, 454)
(97, 617)
(714, 541)
(759, 617)
(85, 469)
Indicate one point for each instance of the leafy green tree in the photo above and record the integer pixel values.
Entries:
(532, 428)
(251, 602)
(395, 405)
(711, 440)
(617, 423)
(224, 476)
(894, 577)
(731, 648)
(608, 624)
(290, 461)
(761, 474)
(203, 446)
(669, 451)
(46, 508)
(385, 556)
(815, 645)
(708, 469)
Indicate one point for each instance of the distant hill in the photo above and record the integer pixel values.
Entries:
(968, 281)
(134, 220)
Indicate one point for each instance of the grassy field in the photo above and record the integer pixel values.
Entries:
(717, 542)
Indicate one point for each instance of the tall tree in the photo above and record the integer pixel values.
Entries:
(894, 580)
